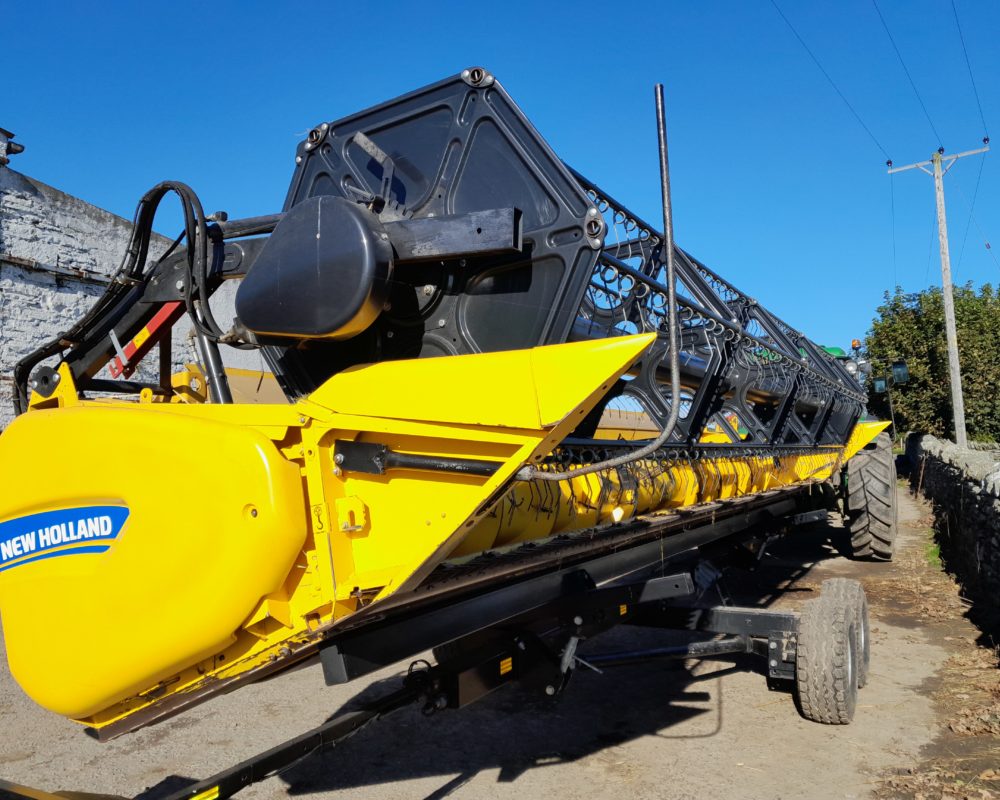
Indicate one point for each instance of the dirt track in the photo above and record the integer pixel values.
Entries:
(927, 725)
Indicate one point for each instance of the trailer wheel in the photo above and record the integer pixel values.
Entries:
(852, 593)
(826, 683)
(870, 501)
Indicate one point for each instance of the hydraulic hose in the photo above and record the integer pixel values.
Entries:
(531, 472)
(131, 273)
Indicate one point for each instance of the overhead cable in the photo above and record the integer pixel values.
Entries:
(982, 233)
(908, 76)
(972, 206)
(972, 79)
(830, 80)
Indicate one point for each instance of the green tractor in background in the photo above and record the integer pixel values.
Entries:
(868, 483)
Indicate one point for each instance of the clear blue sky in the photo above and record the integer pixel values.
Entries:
(776, 185)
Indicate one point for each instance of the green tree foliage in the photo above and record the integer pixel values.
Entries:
(911, 327)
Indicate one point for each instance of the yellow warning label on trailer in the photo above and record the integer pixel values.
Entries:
(622, 610)
(208, 794)
(506, 665)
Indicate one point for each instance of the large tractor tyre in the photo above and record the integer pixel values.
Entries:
(852, 593)
(826, 659)
(871, 501)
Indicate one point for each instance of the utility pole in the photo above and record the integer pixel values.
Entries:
(940, 164)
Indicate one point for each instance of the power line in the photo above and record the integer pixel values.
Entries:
(829, 79)
(968, 64)
(908, 76)
(982, 233)
(972, 205)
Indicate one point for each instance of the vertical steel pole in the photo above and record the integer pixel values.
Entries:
(667, 257)
(954, 369)
(215, 372)
(530, 472)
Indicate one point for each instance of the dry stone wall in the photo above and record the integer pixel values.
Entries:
(964, 488)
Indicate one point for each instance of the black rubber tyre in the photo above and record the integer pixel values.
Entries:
(852, 593)
(870, 502)
(826, 683)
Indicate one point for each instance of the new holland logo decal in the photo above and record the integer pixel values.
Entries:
(65, 532)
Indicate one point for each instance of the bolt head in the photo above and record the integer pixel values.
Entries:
(578, 620)
(550, 690)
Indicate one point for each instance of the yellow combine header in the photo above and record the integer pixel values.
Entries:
(501, 414)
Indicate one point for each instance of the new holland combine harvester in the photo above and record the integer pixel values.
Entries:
(507, 414)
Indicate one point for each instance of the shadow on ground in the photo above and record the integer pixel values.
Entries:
(514, 731)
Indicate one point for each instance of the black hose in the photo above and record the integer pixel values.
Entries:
(131, 273)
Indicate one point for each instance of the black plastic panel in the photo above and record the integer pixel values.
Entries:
(321, 274)
(456, 148)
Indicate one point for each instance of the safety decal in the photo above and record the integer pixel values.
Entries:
(64, 532)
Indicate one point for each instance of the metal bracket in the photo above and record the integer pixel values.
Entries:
(372, 458)
(494, 231)
(820, 515)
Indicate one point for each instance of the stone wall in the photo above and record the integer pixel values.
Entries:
(964, 488)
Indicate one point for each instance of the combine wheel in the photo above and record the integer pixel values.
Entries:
(870, 502)
(826, 659)
(852, 593)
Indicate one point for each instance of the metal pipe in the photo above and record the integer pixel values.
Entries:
(531, 472)
(218, 383)
(234, 228)
(713, 647)
(166, 360)
(467, 466)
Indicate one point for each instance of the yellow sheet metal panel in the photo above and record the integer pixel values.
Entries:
(515, 389)
(512, 407)
(863, 433)
(190, 589)
(195, 521)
